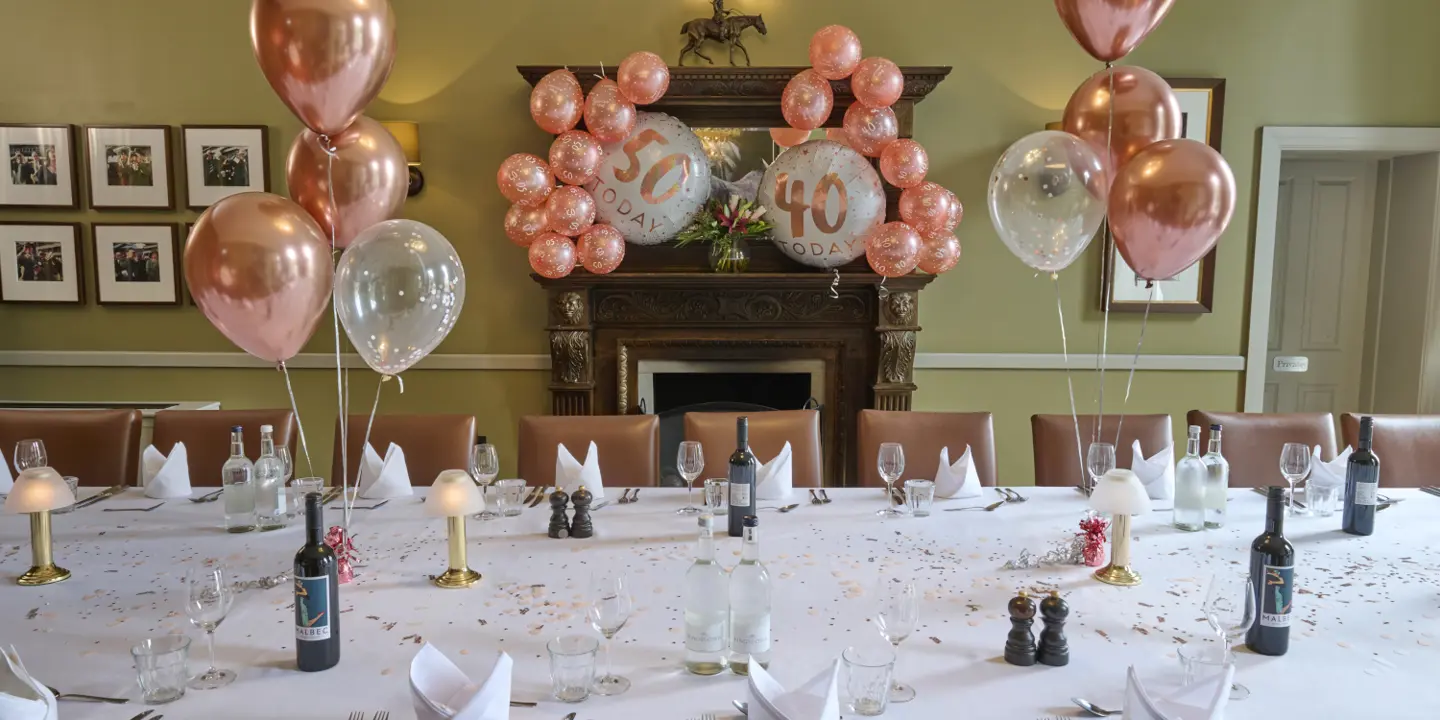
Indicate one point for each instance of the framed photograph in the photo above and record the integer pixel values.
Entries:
(41, 263)
(221, 161)
(39, 168)
(1202, 107)
(129, 167)
(137, 264)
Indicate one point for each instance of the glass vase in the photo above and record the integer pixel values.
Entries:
(730, 257)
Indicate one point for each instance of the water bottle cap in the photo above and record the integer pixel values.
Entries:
(266, 428)
(751, 521)
(236, 428)
(1215, 427)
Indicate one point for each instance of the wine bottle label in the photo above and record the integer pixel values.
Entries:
(705, 637)
(1365, 492)
(1276, 596)
(739, 495)
(312, 608)
(751, 636)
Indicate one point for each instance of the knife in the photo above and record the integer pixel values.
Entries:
(103, 494)
(539, 497)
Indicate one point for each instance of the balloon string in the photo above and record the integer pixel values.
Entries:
(1065, 352)
(1107, 280)
(880, 289)
(835, 285)
(369, 424)
(1134, 362)
(602, 71)
(340, 398)
(295, 408)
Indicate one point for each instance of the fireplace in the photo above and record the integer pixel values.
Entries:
(780, 385)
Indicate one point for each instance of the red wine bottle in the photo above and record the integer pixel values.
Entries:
(1362, 483)
(742, 478)
(317, 597)
(1272, 572)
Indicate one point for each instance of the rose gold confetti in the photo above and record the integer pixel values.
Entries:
(464, 651)
(973, 623)
(386, 671)
(1343, 644)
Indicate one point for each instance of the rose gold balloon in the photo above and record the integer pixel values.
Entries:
(575, 156)
(525, 179)
(552, 255)
(834, 52)
(570, 210)
(928, 208)
(608, 115)
(557, 102)
(893, 249)
(870, 129)
(877, 82)
(643, 77)
(837, 135)
(369, 174)
(1110, 29)
(259, 267)
(807, 100)
(1169, 205)
(326, 59)
(904, 163)
(601, 249)
(524, 224)
(1143, 108)
(788, 137)
(939, 253)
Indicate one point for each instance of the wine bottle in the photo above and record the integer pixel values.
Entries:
(1217, 481)
(749, 604)
(742, 478)
(1362, 484)
(237, 477)
(317, 600)
(1190, 486)
(1272, 573)
(706, 606)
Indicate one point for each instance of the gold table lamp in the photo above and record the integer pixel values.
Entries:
(36, 492)
(1119, 494)
(455, 496)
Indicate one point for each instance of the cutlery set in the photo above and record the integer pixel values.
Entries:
(208, 497)
(1006, 496)
(818, 496)
(1383, 502)
(1431, 491)
(147, 715)
(102, 495)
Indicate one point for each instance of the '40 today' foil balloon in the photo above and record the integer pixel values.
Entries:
(652, 184)
(398, 289)
(825, 199)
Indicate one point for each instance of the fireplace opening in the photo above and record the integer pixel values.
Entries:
(778, 390)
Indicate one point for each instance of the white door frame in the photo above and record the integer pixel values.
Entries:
(1274, 143)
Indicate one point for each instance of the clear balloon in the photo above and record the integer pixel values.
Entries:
(928, 208)
(364, 184)
(788, 137)
(893, 249)
(877, 82)
(1110, 29)
(399, 289)
(552, 255)
(807, 100)
(651, 186)
(525, 179)
(259, 267)
(938, 254)
(904, 163)
(557, 102)
(608, 115)
(1047, 197)
(570, 210)
(575, 157)
(834, 52)
(601, 248)
(1142, 107)
(643, 77)
(870, 129)
(524, 224)
(326, 59)
(1169, 205)
(824, 199)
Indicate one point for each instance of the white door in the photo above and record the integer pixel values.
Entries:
(1322, 261)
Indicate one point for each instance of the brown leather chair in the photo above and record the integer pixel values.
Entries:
(206, 434)
(100, 447)
(432, 443)
(769, 432)
(923, 434)
(1057, 462)
(628, 447)
(1252, 441)
(1408, 446)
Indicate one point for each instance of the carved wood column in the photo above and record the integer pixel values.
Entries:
(895, 375)
(572, 353)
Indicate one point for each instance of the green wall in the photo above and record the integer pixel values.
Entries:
(1287, 62)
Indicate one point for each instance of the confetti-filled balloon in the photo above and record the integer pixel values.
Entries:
(552, 255)
(824, 199)
(1047, 196)
(651, 186)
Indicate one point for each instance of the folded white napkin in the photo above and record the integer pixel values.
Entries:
(440, 690)
(1156, 473)
(774, 480)
(1205, 699)
(570, 474)
(165, 477)
(1329, 474)
(957, 479)
(388, 478)
(7, 480)
(817, 699)
(23, 697)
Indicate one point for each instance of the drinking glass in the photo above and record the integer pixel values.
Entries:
(509, 494)
(572, 666)
(299, 488)
(1230, 610)
(717, 496)
(690, 462)
(919, 496)
(866, 682)
(1295, 466)
(484, 466)
(1321, 498)
(891, 463)
(208, 599)
(1099, 459)
(897, 616)
(162, 667)
(610, 606)
(30, 453)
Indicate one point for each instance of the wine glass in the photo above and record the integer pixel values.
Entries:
(208, 599)
(1099, 459)
(690, 462)
(610, 606)
(287, 468)
(891, 464)
(1230, 610)
(897, 616)
(30, 453)
(484, 467)
(1295, 466)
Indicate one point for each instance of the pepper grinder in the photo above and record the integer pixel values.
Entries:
(559, 523)
(1020, 644)
(580, 525)
(1054, 649)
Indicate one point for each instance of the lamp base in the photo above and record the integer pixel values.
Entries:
(1118, 575)
(44, 575)
(457, 578)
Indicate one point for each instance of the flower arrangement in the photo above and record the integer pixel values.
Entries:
(727, 227)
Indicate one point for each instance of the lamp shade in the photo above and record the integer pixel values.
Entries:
(1120, 492)
(38, 489)
(408, 135)
(454, 494)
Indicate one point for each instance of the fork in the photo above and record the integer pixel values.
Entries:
(1431, 491)
(382, 715)
(1013, 495)
(357, 715)
(539, 497)
(824, 496)
(625, 497)
(636, 497)
(530, 496)
(148, 509)
(815, 499)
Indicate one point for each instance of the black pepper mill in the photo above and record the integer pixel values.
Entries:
(580, 525)
(1054, 649)
(1020, 645)
(559, 523)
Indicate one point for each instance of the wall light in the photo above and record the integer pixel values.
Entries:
(408, 135)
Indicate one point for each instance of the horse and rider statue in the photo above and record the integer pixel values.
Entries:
(724, 27)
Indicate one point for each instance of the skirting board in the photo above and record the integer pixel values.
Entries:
(304, 361)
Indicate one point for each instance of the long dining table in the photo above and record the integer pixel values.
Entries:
(1366, 643)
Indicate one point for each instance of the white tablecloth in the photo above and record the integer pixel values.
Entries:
(1367, 643)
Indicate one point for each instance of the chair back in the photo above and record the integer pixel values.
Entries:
(432, 444)
(100, 447)
(1251, 442)
(1408, 446)
(206, 434)
(627, 447)
(1058, 460)
(769, 431)
(923, 435)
